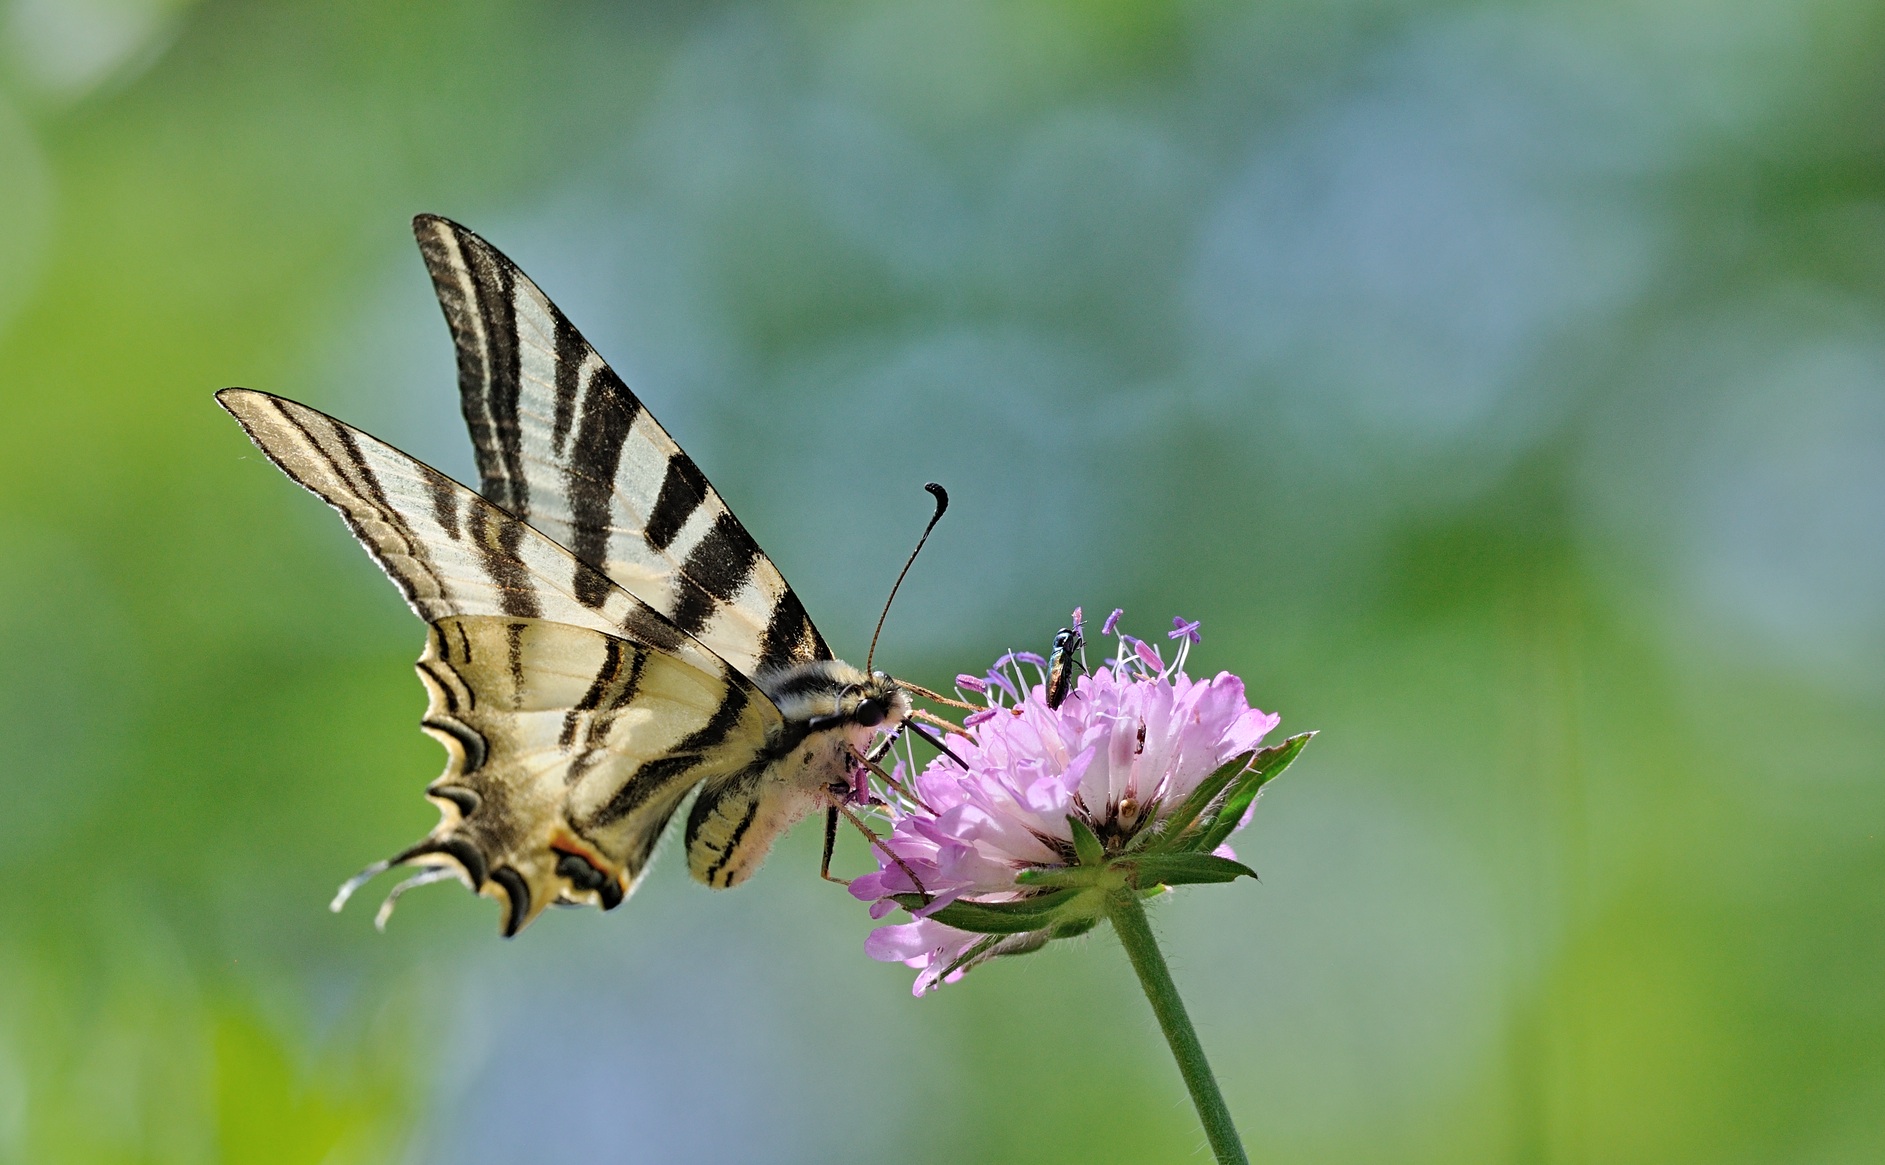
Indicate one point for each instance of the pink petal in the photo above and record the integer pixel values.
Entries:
(893, 944)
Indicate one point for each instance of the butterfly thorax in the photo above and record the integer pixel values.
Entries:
(829, 712)
(830, 695)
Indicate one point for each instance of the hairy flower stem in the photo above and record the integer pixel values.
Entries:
(1135, 934)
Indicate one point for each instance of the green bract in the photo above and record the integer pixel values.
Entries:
(1176, 849)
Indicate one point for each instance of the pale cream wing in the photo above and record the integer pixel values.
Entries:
(563, 444)
(569, 751)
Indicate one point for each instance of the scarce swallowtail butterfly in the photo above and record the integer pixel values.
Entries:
(604, 636)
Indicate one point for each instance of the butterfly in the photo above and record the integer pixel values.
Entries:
(604, 637)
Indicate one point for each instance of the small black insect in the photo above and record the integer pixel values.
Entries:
(1060, 665)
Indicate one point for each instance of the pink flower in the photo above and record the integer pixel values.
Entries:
(1133, 740)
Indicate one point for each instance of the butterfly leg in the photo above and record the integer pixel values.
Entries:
(831, 842)
(882, 748)
(888, 852)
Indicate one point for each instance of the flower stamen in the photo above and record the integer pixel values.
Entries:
(946, 725)
(939, 697)
(907, 794)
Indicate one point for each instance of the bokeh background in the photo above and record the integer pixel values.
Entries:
(1502, 384)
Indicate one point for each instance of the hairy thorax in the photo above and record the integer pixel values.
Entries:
(830, 710)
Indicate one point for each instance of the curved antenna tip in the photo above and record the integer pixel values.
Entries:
(942, 504)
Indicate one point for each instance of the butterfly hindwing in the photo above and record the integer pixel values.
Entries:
(563, 444)
(569, 750)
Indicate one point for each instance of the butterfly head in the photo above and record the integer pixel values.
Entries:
(876, 701)
(830, 698)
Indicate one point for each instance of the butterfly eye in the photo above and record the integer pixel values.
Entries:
(870, 713)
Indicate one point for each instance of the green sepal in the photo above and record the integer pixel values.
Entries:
(1008, 945)
(1086, 846)
(1186, 869)
(1073, 927)
(1266, 767)
(1015, 917)
(1061, 877)
(1171, 834)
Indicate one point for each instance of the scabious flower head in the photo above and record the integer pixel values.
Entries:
(1132, 782)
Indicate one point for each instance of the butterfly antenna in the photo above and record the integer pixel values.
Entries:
(942, 505)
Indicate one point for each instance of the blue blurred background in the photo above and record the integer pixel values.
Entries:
(1502, 384)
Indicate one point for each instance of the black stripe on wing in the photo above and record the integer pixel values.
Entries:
(683, 488)
(596, 457)
(479, 302)
(676, 770)
(716, 569)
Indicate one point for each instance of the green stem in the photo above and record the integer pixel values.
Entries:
(1135, 934)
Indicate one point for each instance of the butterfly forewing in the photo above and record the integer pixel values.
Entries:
(563, 444)
(448, 550)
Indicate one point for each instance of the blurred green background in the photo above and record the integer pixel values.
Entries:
(1502, 384)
